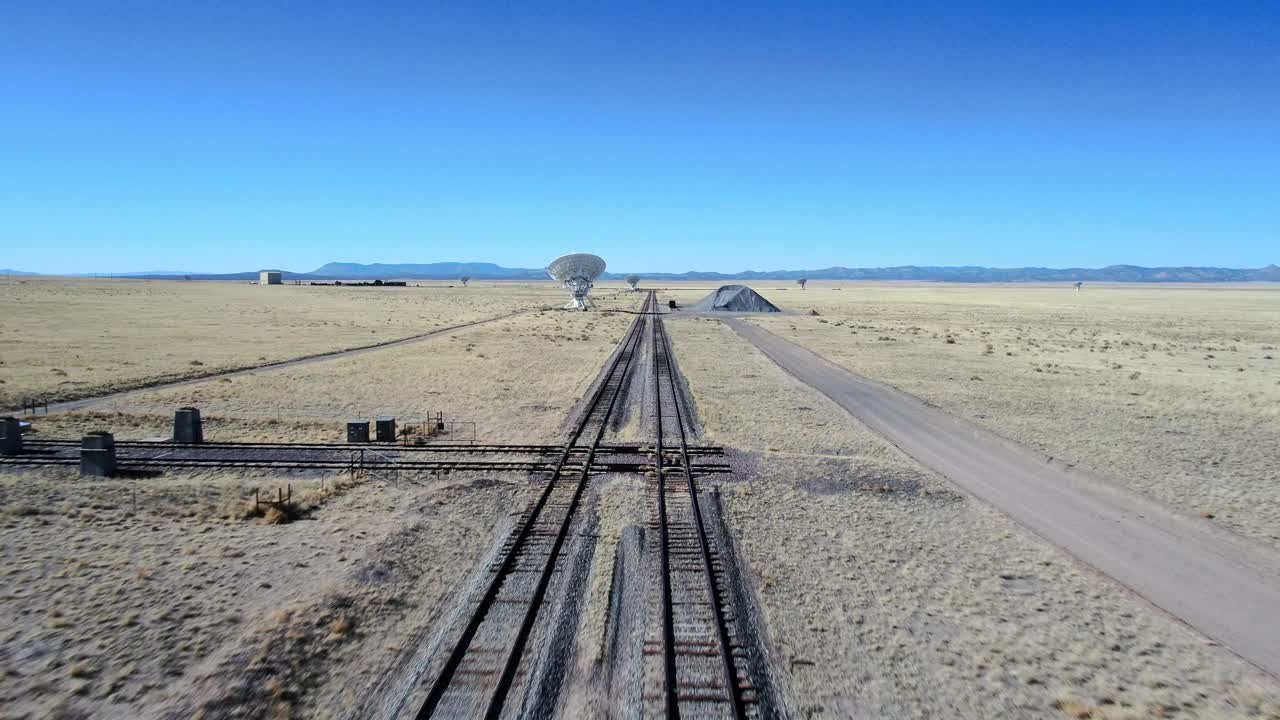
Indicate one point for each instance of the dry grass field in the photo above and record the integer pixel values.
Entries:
(64, 338)
(515, 378)
(1173, 391)
(889, 595)
(112, 609)
(129, 598)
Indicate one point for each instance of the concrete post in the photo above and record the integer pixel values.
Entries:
(386, 429)
(98, 454)
(358, 431)
(10, 436)
(187, 427)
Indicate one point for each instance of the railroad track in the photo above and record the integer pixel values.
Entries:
(700, 673)
(127, 463)
(427, 448)
(465, 448)
(696, 662)
(167, 463)
(152, 456)
(488, 657)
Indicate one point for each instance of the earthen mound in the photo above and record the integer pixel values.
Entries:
(734, 298)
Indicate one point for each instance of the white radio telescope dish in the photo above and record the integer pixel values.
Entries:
(578, 273)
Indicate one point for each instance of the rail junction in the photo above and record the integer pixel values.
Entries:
(696, 653)
(694, 662)
(137, 456)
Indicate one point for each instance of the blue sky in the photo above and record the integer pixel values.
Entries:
(230, 136)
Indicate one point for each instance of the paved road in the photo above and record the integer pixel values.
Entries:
(89, 402)
(1222, 584)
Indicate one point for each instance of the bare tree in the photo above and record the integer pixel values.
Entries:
(801, 282)
(633, 280)
(465, 279)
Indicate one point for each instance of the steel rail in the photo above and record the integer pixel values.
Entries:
(442, 681)
(526, 626)
(459, 465)
(397, 447)
(169, 462)
(669, 680)
(663, 347)
(434, 447)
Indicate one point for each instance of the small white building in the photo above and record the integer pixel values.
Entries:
(270, 277)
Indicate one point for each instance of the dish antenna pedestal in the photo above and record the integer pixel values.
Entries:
(578, 273)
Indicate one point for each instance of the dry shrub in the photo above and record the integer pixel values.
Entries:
(239, 510)
(276, 687)
(1074, 708)
(333, 488)
(339, 628)
(272, 514)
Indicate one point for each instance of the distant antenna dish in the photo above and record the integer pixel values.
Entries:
(577, 272)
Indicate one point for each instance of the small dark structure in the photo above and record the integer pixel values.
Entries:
(98, 454)
(10, 436)
(386, 429)
(672, 305)
(187, 427)
(358, 431)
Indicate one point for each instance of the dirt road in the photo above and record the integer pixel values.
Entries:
(89, 402)
(1223, 585)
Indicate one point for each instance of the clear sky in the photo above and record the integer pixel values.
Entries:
(229, 136)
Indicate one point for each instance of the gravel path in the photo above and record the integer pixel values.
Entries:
(1221, 584)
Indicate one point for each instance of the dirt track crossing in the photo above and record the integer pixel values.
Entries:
(88, 402)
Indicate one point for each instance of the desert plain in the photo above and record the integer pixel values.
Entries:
(885, 591)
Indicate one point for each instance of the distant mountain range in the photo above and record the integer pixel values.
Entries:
(966, 274)
(974, 274)
(428, 271)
